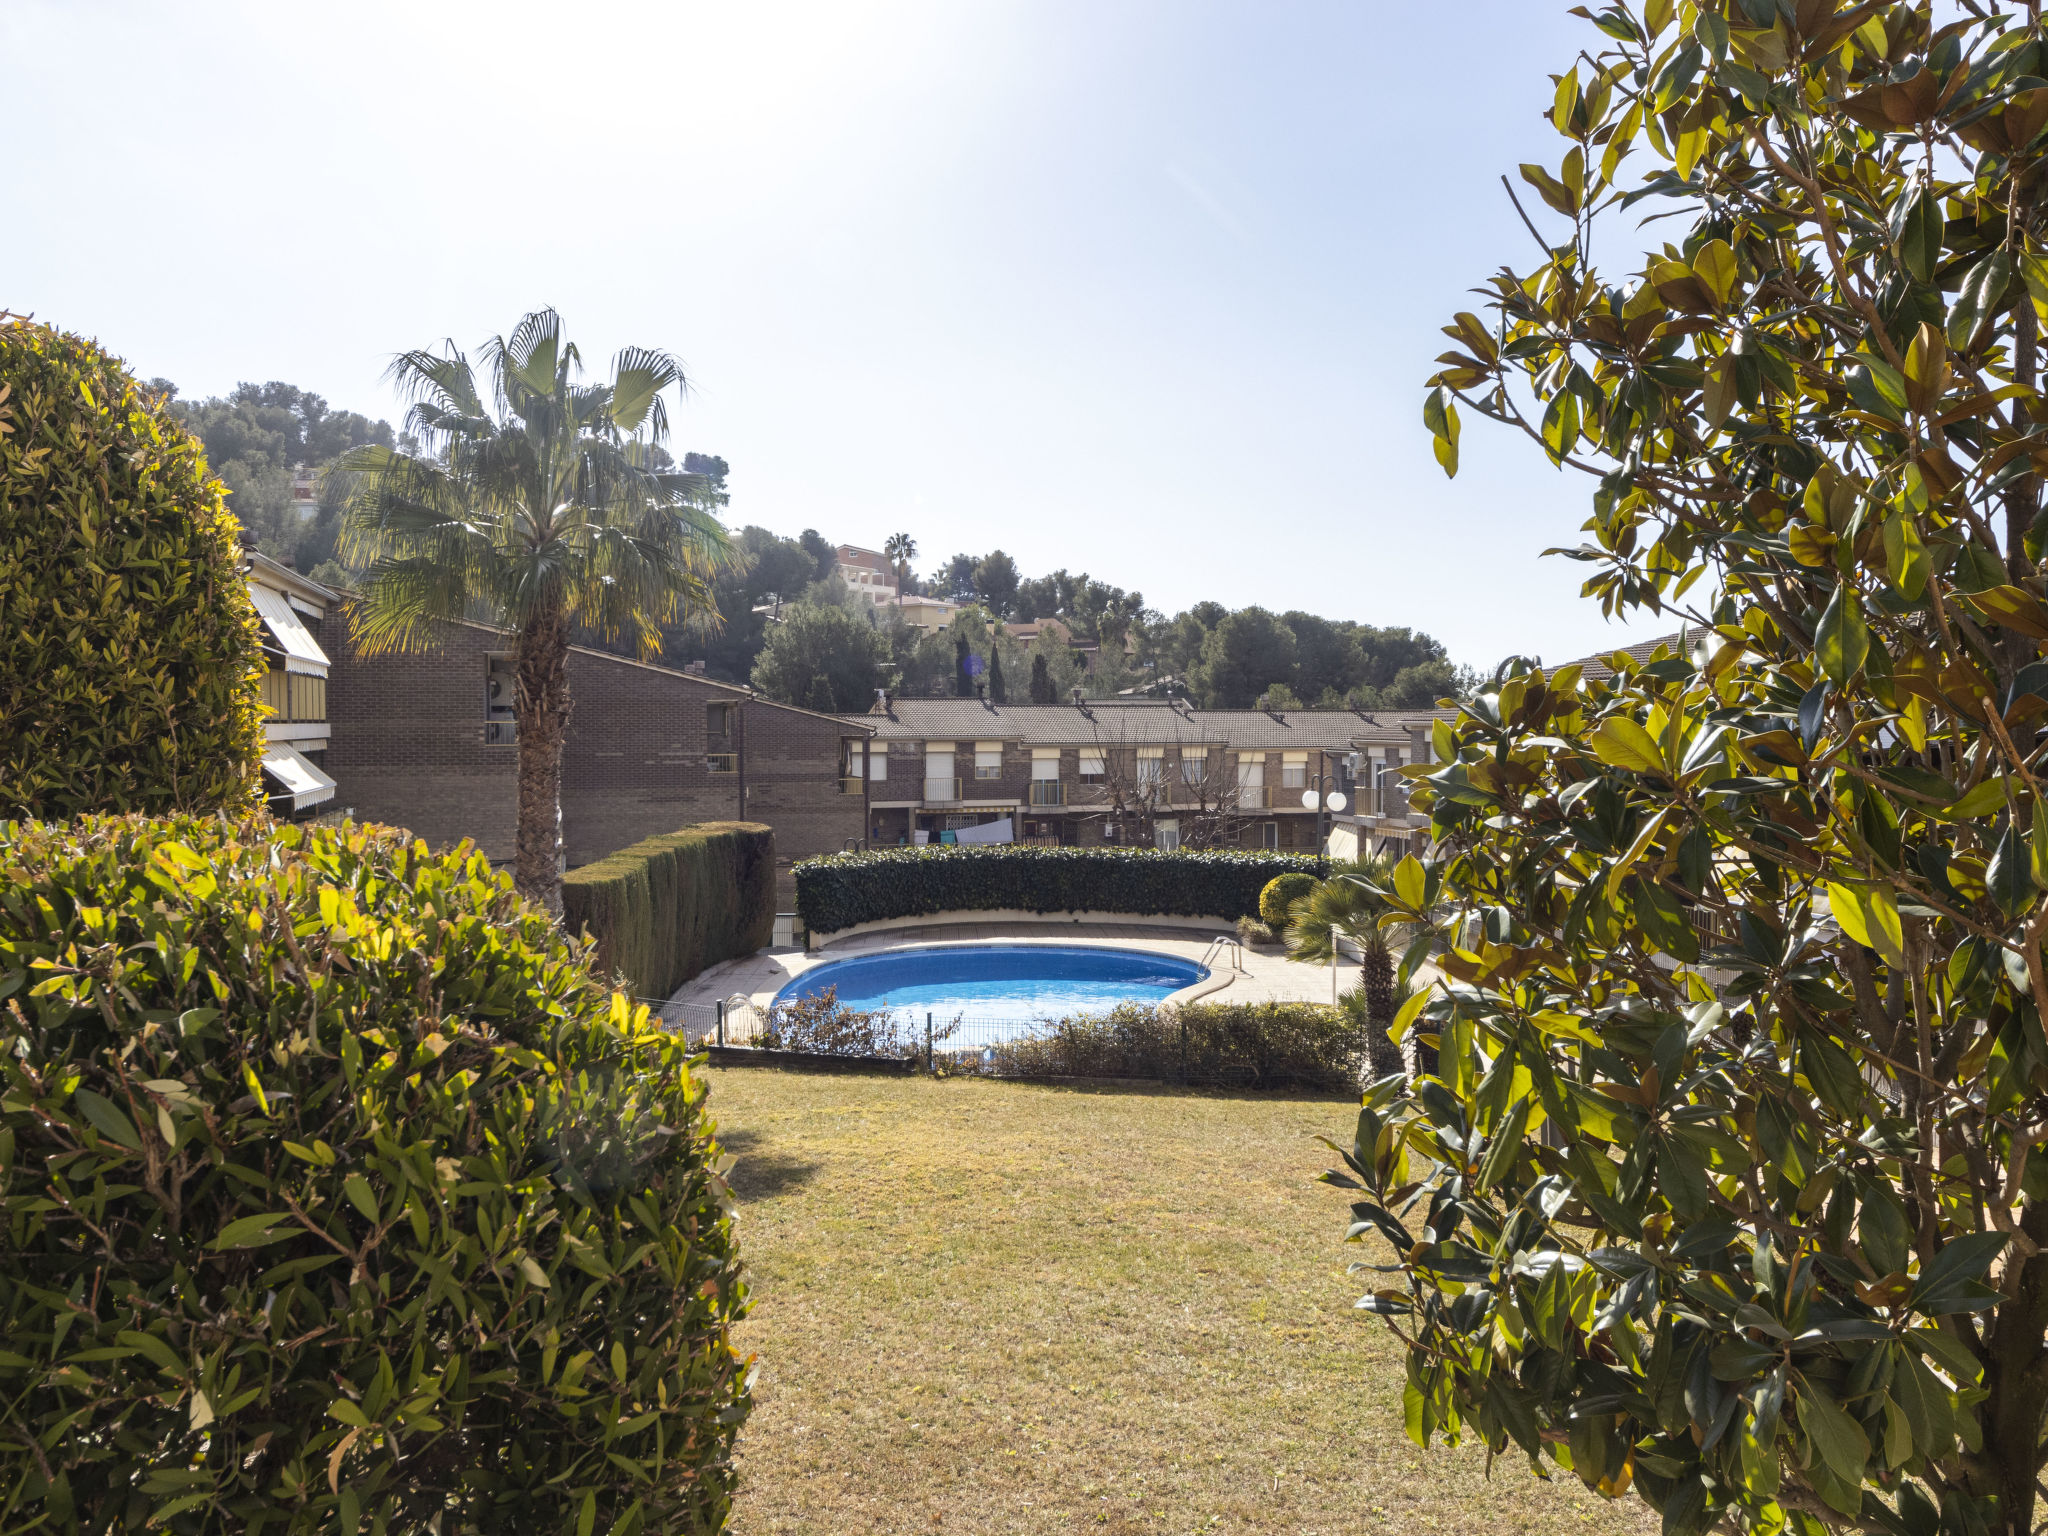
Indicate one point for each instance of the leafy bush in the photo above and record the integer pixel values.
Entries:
(1276, 901)
(824, 1026)
(842, 889)
(336, 1195)
(1240, 1045)
(665, 909)
(130, 653)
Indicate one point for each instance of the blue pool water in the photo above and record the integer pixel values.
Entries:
(1008, 983)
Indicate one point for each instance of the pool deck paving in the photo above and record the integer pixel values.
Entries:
(1268, 976)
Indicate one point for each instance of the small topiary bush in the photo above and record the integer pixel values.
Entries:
(337, 1196)
(130, 657)
(667, 908)
(842, 889)
(1276, 901)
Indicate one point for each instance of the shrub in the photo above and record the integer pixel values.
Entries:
(1251, 931)
(130, 651)
(667, 908)
(825, 1026)
(336, 1195)
(842, 889)
(1276, 901)
(1240, 1045)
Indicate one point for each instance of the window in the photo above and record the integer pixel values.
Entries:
(988, 759)
(1194, 764)
(1151, 765)
(307, 696)
(1294, 770)
(501, 686)
(718, 719)
(939, 783)
(1045, 763)
(1269, 835)
(1093, 769)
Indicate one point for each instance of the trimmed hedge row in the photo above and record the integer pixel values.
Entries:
(840, 890)
(664, 909)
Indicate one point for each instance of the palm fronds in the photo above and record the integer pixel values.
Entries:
(543, 501)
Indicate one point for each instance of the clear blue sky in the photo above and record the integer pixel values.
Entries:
(1145, 287)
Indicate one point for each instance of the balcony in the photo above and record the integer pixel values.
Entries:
(942, 791)
(501, 733)
(1253, 797)
(851, 785)
(722, 762)
(1048, 792)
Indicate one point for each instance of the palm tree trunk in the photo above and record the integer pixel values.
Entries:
(1376, 977)
(541, 708)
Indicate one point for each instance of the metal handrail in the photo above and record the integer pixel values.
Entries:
(1221, 947)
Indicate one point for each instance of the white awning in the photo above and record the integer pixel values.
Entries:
(302, 652)
(296, 776)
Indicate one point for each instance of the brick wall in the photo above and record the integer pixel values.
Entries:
(408, 748)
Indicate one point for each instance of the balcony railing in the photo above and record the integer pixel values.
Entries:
(1253, 797)
(1048, 792)
(722, 762)
(501, 733)
(851, 785)
(941, 791)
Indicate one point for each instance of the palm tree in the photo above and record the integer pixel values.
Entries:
(540, 503)
(1349, 905)
(899, 551)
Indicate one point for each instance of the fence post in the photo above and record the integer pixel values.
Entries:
(721, 1021)
(929, 1067)
(1181, 1015)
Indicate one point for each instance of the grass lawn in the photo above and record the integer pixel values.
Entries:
(1000, 1307)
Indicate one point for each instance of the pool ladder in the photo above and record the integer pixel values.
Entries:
(1224, 947)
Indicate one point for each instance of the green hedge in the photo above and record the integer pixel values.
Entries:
(337, 1196)
(665, 909)
(843, 889)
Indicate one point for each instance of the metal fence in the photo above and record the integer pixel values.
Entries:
(1282, 1047)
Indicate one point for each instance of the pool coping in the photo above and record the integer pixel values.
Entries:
(1217, 979)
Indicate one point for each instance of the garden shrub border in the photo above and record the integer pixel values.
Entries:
(841, 890)
(668, 907)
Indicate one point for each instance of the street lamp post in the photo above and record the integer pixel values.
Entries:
(1325, 800)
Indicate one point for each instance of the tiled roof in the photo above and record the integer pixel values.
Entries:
(1592, 667)
(1135, 722)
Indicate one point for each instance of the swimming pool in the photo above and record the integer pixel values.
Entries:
(998, 983)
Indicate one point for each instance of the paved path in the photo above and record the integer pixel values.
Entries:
(1268, 975)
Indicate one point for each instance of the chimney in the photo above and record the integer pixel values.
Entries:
(981, 692)
(1077, 695)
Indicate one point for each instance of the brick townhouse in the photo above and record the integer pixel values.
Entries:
(425, 740)
(1134, 770)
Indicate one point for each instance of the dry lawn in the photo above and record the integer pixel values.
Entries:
(999, 1307)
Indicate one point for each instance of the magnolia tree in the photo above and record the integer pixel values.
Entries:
(1730, 1187)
